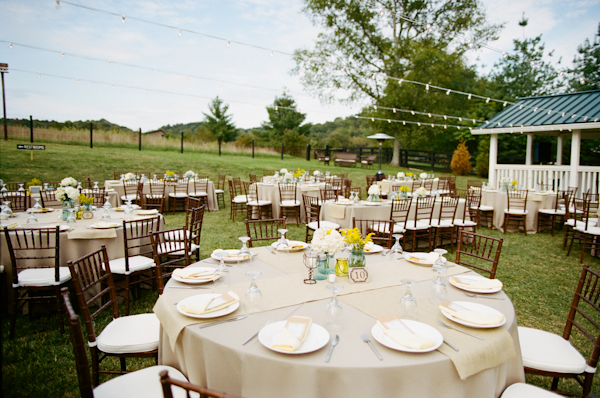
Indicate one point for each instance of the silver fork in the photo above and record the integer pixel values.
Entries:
(366, 339)
(459, 330)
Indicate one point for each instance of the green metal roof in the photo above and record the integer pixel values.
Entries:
(581, 109)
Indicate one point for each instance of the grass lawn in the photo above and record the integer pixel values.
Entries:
(39, 362)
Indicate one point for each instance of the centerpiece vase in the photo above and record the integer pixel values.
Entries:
(356, 259)
(67, 205)
(326, 266)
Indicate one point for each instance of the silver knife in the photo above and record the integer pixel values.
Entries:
(257, 332)
(205, 325)
(450, 345)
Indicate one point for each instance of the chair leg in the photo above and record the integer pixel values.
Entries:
(505, 222)
(13, 316)
(583, 248)
(571, 244)
(59, 309)
(554, 386)
(123, 364)
(127, 294)
(95, 366)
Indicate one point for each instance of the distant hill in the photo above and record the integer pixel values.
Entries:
(101, 124)
(180, 128)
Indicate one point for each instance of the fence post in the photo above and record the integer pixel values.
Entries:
(326, 150)
(91, 134)
(282, 151)
(31, 129)
(252, 149)
(140, 139)
(359, 153)
(307, 151)
(432, 160)
(182, 142)
(220, 139)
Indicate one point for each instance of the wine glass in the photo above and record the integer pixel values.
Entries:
(128, 209)
(32, 218)
(7, 210)
(71, 219)
(440, 264)
(253, 296)
(222, 268)
(21, 189)
(95, 187)
(244, 251)
(333, 309)
(37, 206)
(282, 243)
(397, 248)
(310, 262)
(107, 204)
(408, 303)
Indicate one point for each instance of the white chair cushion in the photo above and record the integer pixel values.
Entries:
(410, 225)
(219, 191)
(259, 203)
(153, 196)
(43, 276)
(516, 212)
(398, 228)
(127, 334)
(552, 212)
(290, 203)
(522, 390)
(198, 194)
(178, 194)
(193, 248)
(441, 224)
(324, 224)
(549, 352)
(571, 222)
(589, 230)
(466, 223)
(141, 383)
(486, 208)
(125, 198)
(240, 199)
(136, 263)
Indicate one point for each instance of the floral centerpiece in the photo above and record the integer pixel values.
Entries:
(423, 176)
(400, 175)
(287, 177)
(170, 175)
(374, 192)
(504, 183)
(299, 172)
(85, 202)
(326, 241)
(514, 184)
(420, 192)
(283, 171)
(35, 182)
(357, 243)
(411, 175)
(316, 173)
(67, 195)
(129, 177)
(189, 174)
(404, 190)
(68, 182)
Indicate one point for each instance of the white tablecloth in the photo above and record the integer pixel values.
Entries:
(499, 201)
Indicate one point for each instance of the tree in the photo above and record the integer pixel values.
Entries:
(585, 75)
(461, 159)
(283, 116)
(366, 42)
(218, 122)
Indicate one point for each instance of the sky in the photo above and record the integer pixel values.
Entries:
(157, 77)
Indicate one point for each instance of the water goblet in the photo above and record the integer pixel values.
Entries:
(333, 309)
(397, 248)
(71, 219)
(244, 251)
(222, 270)
(439, 264)
(310, 262)
(45, 186)
(21, 189)
(32, 218)
(253, 296)
(7, 210)
(282, 243)
(95, 187)
(408, 303)
(37, 206)
(3, 188)
(107, 204)
(128, 208)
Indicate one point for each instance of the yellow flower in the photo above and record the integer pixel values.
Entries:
(34, 182)
(84, 200)
(170, 173)
(354, 238)
(404, 188)
(515, 182)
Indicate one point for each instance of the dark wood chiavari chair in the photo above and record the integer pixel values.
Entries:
(263, 230)
(479, 252)
(312, 211)
(288, 202)
(516, 208)
(168, 382)
(169, 254)
(381, 230)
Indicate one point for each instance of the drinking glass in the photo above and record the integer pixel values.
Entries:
(106, 207)
(310, 262)
(244, 251)
(397, 248)
(32, 218)
(3, 188)
(71, 219)
(37, 206)
(45, 186)
(440, 264)
(222, 268)
(253, 296)
(128, 209)
(107, 204)
(333, 309)
(408, 303)
(7, 210)
(21, 189)
(282, 243)
(327, 173)
(95, 187)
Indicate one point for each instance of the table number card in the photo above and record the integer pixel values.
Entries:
(358, 275)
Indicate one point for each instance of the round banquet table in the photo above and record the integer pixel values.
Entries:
(76, 242)
(535, 201)
(215, 357)
(386, 185)
(213, 204)
(343, 214)
(270, 191)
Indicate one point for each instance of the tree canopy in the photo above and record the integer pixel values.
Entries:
(218, 122)
(585, 75)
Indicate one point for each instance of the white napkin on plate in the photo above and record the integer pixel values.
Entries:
(476, 317)
(407, 339)
(481, 284)
(195, 274)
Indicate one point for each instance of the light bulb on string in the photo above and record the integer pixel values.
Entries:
(77, 81)
(469, 97)
(448, 92)
(505, 102)
(460, 118)
(400, 81)
(252, 87)
(39, 75)
(487, 101)
(432, 125)
(144, 90)
(271, 53)
(504, 55)
(535, 109)
(470, 43)
(179, 31)
(419, 123)
(112, 86)
(458, 127)
(582, 81)
(62, 55)
(499, 124)
(187, 77)
(487, 122)
(549, 112)
(532, 65)
(228, 43)
(445, 126)
(520, 106)
(561, 73)
(150, 69)
(372, 119)
(123, 19)
(404, 122)
(474, 121)
(429, 28)
(429, 114)
(563, 114)
(10, 45)
(572, 116)
(412, 113)
(427, 87)
(108, 63)
(394, 110)
(57, 5)
(276, 108)
(585, 119)
(221, 83)
(445, 117)
(389, 121)
(375, 107)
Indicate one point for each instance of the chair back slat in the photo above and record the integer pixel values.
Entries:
(168, 253)
(264, 230)
(33, 248)
(312, 208)
(136, 237)
(287, 191)
(447, 209)
(221, 181)
(251, 190)
(517, 199)
(479, 252)
(328, 193)
(382, 230)
(400, 210)
(19, 201)
(201, 184)
(424, 208)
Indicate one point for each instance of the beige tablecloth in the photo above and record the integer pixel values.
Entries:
(214, 356)
(386, 185)
(498, 200)
(271, 192)
(213, 204)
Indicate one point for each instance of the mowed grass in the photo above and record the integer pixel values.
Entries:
(537, 275)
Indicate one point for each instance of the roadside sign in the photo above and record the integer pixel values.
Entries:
(32, 147)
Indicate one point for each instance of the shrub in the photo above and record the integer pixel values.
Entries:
(482, 162)
(461, 159)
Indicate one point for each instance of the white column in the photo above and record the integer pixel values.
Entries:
(493, 159)
(528, 161)
(575, 149)
(559, 149)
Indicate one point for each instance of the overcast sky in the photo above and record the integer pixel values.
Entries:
(200, 67)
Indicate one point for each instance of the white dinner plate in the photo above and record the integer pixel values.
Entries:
(96, 226)
(474, 307)
(419, 328)
(316, 339)
(292, 243)
(230, 252)
(345, 202)
(216, 314)
(472, 278)
(367, 203)
(134, 207)
(421, 258)
(61, 227)
(195, 281)
(376, 249)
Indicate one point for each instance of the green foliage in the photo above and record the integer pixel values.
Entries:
(179, 128)
(294, 143)
(101, 124)
(482, 162)
(461, 159)
(218, 122)
(245, 140)
(587, 66)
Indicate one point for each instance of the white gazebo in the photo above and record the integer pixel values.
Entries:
(574, 115)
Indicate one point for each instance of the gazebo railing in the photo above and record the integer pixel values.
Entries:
(557, 176)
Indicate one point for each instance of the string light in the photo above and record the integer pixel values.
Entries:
(77, 81)
(427, 87)
(400, 81)
(448, 92)
(123, 19)
(412, 112)
(505, 103)
(57, 5)
(39, 75)
(375, 107)
(108, 63)
(228, 43)
(389, 121)
(394, 110)
(179, 31)
(10, 45)
(429, 28)
(469, 97)
(429, 114)
(271, 53)
(62, 55)
(487, 101)
(504, 55)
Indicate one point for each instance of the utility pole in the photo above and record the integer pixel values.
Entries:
(3, 70)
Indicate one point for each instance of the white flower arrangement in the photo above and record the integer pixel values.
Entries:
(317, 173)
(283, 171)
(288, 177)
(64, 193)
(68, 182)
(189, 174)
(505, 180)
(327, 241)
(400, 174)
(421, 192)
(423, 176)
(129, 177)
(374, 190)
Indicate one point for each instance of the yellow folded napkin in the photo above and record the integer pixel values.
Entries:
(399, 332)
(195, 274)
(101, 224)
(291, 337)
(290, 247)
(11, 226)
(482, 284)
(234, 256)
(476, 317)
(207, 304)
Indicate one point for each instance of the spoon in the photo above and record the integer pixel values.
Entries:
(335, 341)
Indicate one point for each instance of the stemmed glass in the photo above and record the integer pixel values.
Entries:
(244, 251)
(397, 248)
(21, 189)
(333, 309)
(282, 243)
(128, 209)
(95, 187)
(106, 206)
(438, 285)
(37, 206)
(32, 218)
(253, 296)
(310, 262)
(7, 210)
(408, 303)
(3, 188)
(71, 219)
(222, 269)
